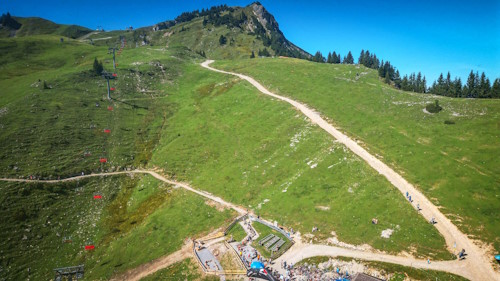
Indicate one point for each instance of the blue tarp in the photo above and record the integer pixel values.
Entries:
(257, 265)
(497, 257)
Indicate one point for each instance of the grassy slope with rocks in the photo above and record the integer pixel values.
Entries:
(455, 165)
(137, 220)
(209, 129)
(54, 128)
(397, 272)
(253, 151)
(242, 38)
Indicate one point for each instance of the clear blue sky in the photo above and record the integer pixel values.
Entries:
(428, 36)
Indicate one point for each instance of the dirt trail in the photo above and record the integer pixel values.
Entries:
(152, 173)
(151, 267)
(296, 253)
(301, 251)
(480, 266)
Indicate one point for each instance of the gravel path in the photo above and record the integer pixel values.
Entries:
(151, 267)
(152, 173)
(478, 260)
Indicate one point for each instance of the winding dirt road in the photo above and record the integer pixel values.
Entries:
(303, 251)
(296, 253)
(478, 263)
(152, 173)
(477, 266)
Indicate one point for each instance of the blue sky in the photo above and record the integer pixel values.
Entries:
(427, 36)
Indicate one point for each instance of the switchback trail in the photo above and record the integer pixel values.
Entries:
(152, 173)
(479, 264)
(296, 253)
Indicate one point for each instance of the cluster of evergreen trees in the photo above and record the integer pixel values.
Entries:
(475, 87)
(333, 58)
(264, 53)
(212, 12)
(7, 21)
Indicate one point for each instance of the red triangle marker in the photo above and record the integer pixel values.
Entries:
(114, 75)
(103, 160)
(112, 89)
(110, 108)
(89, 247)
(97, 196)
(107, 131)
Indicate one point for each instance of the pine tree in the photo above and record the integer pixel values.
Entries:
(405, 83)
(470, 90)
(97, 67)
(367, 60)
(349, 59)
(440, 87)
(252, 55)
(418, 84)
(329, 58)
(495, 90)
(222, 40)
(381, 71)
(318, 57)
(397, 80)
(457, 88)
(338, 59)
(447, 85)
(361, 59)
(484, 87)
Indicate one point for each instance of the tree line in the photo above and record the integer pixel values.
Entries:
(476, 86)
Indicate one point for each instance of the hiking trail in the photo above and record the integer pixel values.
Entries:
(479, 265)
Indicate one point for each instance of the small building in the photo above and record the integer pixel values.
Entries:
(365, 277)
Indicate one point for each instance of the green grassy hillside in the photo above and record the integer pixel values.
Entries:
(201, 127)
(246, 29)
(39, 26)
(137, 220)
(60, 131)
(221, 135)
(228, 139)
(455, 165)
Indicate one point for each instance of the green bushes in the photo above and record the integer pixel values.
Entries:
(433, 107)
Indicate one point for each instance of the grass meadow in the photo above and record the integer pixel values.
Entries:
(137, 220)
(454, 165)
